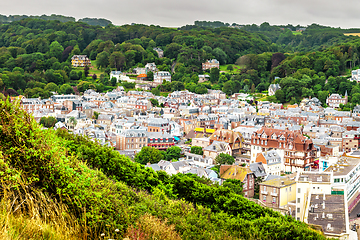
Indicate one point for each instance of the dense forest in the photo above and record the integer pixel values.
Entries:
(35, 58)
(91, 21)
(68, 186)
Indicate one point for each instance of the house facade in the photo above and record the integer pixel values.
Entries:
(80, 61)
(296, 151)
(209, 64)
(244, 174)
(160, 76)
(278, 192)
(132, 139)
(334, 100)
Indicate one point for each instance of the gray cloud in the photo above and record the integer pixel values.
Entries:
(178, 13)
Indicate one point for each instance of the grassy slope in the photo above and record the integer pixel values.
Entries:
(38, 160)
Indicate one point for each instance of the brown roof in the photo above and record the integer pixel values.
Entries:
(225, 135)
(294, 138)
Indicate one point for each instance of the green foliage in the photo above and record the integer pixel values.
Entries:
(154, 102)
(224, 158)
(66, 89)
(235, 185)
(149, 155)
(196, 150)
(214, 75)
(173, 153)
(96, 115)
(48, 122)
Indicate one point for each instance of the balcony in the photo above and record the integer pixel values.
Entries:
(274, 194)
(264, 192)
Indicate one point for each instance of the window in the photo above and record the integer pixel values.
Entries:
(298, 210)
(265, 142)
(290, 189)
(274, 199)
(264, 188)
(264, 198)
(274, 190)
(299, 190)
(298, 200)
(279, 144)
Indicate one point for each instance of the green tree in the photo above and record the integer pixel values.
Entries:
(355, 99)
(48, 122)
(228, 87)
(102, 60)
(149, 155)
(154, 102)
(214, 75)
(224, 158)
(66, 89)
(113, 81)
(201, 89)
(280, 96)
(86, 71)
(117, 60)
(196, 150)
(95, 115)
(83, 86)
(56, 50)
(322, 95)
(72, 122)
(51, 87)
(230, 68)
(173, 153)
(257, 187)
(150, 76)
(155, 91)
(234, 185)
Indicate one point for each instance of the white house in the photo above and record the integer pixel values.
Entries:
(273, 88)
(355, 75)
(159, 77)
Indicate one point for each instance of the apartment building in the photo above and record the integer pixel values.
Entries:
(277, 192)
(296, 151)
(132, 139)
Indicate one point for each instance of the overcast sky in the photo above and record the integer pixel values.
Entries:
(336, 13)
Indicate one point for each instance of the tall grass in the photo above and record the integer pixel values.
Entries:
(29, 214)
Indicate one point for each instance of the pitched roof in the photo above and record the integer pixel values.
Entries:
(236, 172)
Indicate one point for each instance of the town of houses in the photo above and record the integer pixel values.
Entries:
(306, 156)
